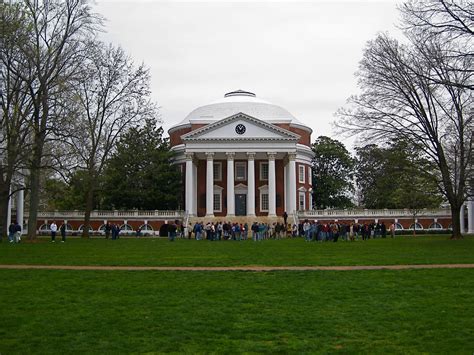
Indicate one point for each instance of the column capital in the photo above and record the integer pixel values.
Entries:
(210, 155)
(251, 156)
(291, 156)
(271, 155)
(189, 156)
(230, 155)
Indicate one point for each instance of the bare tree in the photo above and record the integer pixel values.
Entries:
(15, 106)
(408, 92)
(54, 51)
(455, 18)
(111, 96)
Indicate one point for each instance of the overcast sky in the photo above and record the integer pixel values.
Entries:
(299, 55)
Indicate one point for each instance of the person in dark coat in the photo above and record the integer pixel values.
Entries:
(63, 232)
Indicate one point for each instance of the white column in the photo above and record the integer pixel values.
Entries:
(20, 198)
(251, 185)
(210, 185)
(230, 185)
(189, 189)
(271, 185)
(461, 219)
(291, 183)
(470, 217)
(195, 195)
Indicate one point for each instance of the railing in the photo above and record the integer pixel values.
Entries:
(353, 213)
(134, 214)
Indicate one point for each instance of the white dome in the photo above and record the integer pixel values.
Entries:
(239, 101)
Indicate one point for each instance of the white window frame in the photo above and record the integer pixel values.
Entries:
(310, 177)
(237, 165)
(264, 191)
(217, 191)
(217, 170)
(301, 194)
(263, 178)
(301, 174)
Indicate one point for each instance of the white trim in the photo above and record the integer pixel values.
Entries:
(217, 190)
(240, 189)
(283, 134)
(310, 177)
(301, 181)
(240, 164)
(264, 191)
(218, 164)
(261, 170)
(301, 193)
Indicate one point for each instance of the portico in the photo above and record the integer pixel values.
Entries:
(239, 192)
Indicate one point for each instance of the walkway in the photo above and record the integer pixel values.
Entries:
(238, 268)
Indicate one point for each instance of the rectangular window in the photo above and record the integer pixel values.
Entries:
(217, 202)
(301, 174)
(217, 171)
(240, 171)
(301, 201)
(263, 171)
(264, 201)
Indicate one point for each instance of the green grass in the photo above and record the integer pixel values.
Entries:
(383, 311)
(161, 252)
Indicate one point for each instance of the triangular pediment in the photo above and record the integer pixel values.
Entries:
(240, 127)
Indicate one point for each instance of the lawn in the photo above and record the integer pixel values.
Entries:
(288, 252)
(410, 311)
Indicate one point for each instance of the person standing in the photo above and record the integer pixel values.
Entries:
(54, 228)
(108, 228)
(17, 233)
(285, 218)
(11, 232)
(63, 232)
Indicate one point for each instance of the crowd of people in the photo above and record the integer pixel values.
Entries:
(310, 230)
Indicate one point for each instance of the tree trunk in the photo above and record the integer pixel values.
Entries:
(35, 172)
(456, 222)
(4, 198)
(89, 207)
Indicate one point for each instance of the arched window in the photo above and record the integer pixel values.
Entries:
(146, 229)
(435, 225)
(417, 226)
(398, 226)
(81, 228)
(44, 228)
(126, 227)
(68, 227)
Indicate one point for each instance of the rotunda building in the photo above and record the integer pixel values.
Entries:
(243, 156)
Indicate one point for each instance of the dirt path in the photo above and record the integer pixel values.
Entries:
(238, 268)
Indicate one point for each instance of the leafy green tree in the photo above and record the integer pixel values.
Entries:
(71, 195)
(140, 174)
(395, 177)
(332, 174)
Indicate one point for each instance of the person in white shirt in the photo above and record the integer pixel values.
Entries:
(54, 228)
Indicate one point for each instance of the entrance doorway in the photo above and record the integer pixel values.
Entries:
(240, 204)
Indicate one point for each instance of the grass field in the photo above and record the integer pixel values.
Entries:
(409, 311)
(288, 252)
(378, 311)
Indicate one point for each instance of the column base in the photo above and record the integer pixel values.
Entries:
(272, 215)
(209, 216)
(230, 215)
